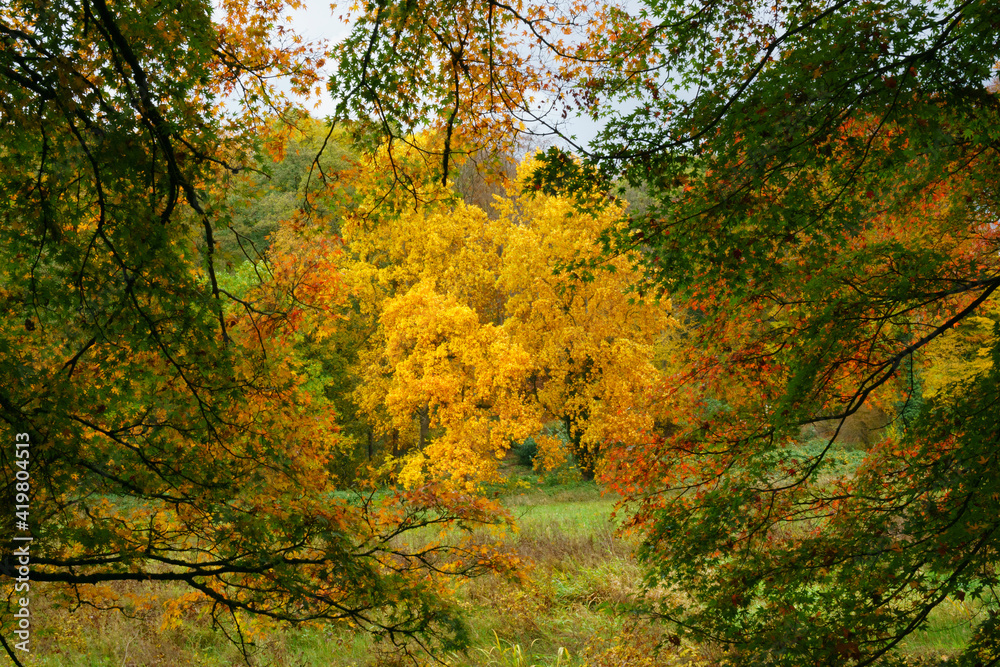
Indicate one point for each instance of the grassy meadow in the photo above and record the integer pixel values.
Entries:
(569, 608)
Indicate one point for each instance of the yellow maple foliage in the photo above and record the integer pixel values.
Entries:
(591, 339)
(460, 376)
(961, 353)
(479, 337)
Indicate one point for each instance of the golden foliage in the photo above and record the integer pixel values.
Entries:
(480, 333)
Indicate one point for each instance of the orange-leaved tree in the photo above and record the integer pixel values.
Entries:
(482, 75)
(825, 207)
(171, 429)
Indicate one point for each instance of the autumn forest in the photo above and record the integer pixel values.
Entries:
(625, 333)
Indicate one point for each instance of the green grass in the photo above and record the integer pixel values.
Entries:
(948, 630)
(569, 607)
(575, 573)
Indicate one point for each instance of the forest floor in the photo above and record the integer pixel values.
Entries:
(573, 606)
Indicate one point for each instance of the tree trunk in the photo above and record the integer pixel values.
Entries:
(424, 414)
(586, 458)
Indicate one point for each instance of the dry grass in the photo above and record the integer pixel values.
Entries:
(571, 604)
(575, 573)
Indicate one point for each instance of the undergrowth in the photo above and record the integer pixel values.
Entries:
(572, 604)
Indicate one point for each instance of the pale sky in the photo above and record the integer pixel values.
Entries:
(319, 21)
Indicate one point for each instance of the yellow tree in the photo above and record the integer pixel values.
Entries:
(478, 337)
(590, 336)
(422, 258)
(961, 353)
(461, 376)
